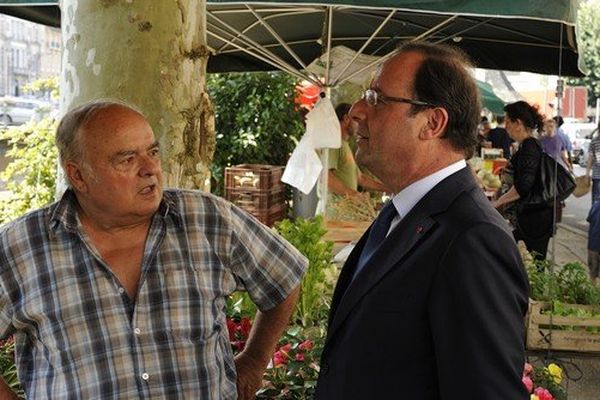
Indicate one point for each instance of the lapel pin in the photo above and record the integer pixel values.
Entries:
(419, 229)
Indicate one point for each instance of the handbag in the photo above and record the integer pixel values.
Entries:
(582, 186)
(553, 182)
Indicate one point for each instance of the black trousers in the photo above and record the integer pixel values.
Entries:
(535, 227)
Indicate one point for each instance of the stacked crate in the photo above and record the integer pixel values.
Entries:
(257, 189)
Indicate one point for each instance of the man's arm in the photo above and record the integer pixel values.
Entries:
(6, 392)
(336, 186)
(266, 331)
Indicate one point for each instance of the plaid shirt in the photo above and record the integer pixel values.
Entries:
(78, 335)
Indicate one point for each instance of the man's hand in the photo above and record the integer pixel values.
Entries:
(249, 376)
(5, 392)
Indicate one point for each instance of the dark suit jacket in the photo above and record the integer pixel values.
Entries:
(437, 312)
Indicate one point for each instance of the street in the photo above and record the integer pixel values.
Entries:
(576, 209)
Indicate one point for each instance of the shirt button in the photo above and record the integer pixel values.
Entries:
(137, 331)
(145, 376)
(121, 290)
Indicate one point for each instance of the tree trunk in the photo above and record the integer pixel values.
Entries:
(153, 55)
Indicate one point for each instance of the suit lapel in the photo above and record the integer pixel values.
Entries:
(411, 230)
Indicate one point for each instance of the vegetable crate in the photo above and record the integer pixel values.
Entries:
(257, 189)
(254, 176)
(578, 333)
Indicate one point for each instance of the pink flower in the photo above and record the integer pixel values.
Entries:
(300, 357)
(528, 383)
(527, 370)
(543, 394)
(279, 359)
(285, 348)
(306, 345)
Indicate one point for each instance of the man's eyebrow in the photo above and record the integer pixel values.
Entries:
(154, 145)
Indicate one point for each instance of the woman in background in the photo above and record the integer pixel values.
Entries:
(593, 164)
(534, 224)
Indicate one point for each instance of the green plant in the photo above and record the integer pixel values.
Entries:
(568, 283)
(294, 369)
(31, 175)
(8, 369)
(306, 235)
(257, 121)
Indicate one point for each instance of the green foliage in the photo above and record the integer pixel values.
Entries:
(8, 369)
(239, 305)
(257, 121)
(306, 235)
(569, 283)
(588, 39)
(44, 86)
(31, 175)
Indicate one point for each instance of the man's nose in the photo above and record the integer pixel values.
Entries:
(150, 166)
(358, 111)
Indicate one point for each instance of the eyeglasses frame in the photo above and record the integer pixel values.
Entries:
(386, 99)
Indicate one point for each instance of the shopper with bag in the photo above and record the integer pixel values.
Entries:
(534, 220)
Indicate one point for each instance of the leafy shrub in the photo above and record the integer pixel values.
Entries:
(31, 175)
(257, 121)
(307, 236)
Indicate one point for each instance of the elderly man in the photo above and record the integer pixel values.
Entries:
(118, 290)
(430, 303)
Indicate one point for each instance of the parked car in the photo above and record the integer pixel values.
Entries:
(579, 134)
(18, 110)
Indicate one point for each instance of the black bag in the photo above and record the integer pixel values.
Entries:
(553, 180)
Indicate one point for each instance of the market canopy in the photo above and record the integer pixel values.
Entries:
(533, 36)
(489, 99)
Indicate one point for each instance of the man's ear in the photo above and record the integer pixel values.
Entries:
(75, 176)
(437, 122)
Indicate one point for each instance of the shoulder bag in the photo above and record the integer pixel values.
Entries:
(553, 181)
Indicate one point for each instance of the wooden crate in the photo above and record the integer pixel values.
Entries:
(254, 176)
(255, 199)
(561, 333)
(269, 217)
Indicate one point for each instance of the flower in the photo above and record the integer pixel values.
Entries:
(306, 345)
(279, 359)
(300, 357)
(543, 394)
(527, 370)
(534, 397)
(528, 383)
(556, 373)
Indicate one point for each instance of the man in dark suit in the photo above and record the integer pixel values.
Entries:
(430, 303)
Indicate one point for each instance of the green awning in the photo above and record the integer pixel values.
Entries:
(489, 99)
(518, 35)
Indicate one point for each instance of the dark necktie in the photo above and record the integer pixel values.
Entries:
(377, 235)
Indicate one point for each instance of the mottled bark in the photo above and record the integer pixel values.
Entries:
(151, 54)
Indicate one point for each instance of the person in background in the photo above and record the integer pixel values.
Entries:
(534, 225)
(500, 138)
(483, 136)
(119, 289)
(553, 145)
(592, 169)
(560, 132)
(344, 176)
(436, 286)
(594, 242)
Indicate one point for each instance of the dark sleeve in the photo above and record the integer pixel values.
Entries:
(527, 166)
(477, 307)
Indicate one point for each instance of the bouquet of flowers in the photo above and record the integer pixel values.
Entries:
(544, 383)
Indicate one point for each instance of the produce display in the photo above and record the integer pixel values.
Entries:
(489, 179)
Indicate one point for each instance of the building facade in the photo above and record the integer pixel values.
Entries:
(28, 52)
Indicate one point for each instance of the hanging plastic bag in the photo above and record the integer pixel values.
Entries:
(303, 167)
(322, 126)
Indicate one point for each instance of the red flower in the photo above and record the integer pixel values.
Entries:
(300, 357)
(306, 345)
(285, 348)
(527, 370)
(543, 394)
(231, 328)
(528, 383)
(245, 327)
(279, 359)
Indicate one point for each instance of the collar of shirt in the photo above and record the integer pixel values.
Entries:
(65, 211)
(406, 199)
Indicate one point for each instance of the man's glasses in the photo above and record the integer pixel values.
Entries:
(371, 97)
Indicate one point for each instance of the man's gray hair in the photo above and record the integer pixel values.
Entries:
(68, 133)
